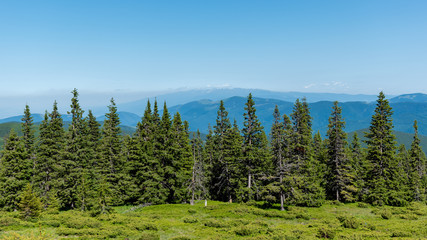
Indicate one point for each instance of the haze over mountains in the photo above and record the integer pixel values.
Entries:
(199, 108)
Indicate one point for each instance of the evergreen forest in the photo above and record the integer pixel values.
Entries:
(94, 168)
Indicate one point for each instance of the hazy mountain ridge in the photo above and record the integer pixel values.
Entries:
(412, 97)
(216, 94)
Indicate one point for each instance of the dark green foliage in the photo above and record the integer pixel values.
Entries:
(111, 162)
(255, 155)
(225, 153)
(341, 174)
(303, 167)
(198, 189)
(382, 178)
(49, 154)
(325, 232)
(15, 171)
(29, 204)
(417, 169)
(75, 164)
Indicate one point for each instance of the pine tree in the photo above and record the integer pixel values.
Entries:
(29, 204)
(320, 150)
(15, 171)
(147, 173)
(75, 162)
(220, 185)
(417, 168)
(29, 138)
(340, 172)
(111, 162)
(255, 152)
(49, 155)
(278, 153)
(381, 177)
(305, 187)
(232, 166)
(181, 153)
(198, 179)
(359, 165)
(163, 140)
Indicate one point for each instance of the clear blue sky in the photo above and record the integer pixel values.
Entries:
(359, 46)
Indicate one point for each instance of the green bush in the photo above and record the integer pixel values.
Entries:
(349, 222)
(409, 216)
(8, 221)
(324, 232)
(216, 224)
(362, 205)
(82, 222)
(190, 220)
(400, 234)
(149, 236)
(245, 230)
(386, 214)
(180, 238)
(192, 211)
(51, 223)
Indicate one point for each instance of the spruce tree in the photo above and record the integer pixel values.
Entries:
(359, 165)
(49, 155)
(75, 162)
(306, 187)
(232, 166)
(417, 168)
(340, 172)
(111, 162)
(147, 173)
(15, 171)
(255, 152)
(220, 180)
(278, 152)
(381, 178)
(27, 128)
(29, 203)
(197, 186)
(163, 140)
(181, 164)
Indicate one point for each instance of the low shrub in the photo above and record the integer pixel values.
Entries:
(362, 205)
(190, 220)
(245, 230)
(385, 214)
(8, 221)
(400, 234)
(51, 223)
(409, 216)
(349, 222)
(180, 238)
(82, 222)
(192, 211)
(216, 224)
(324, 232)
(149, 236)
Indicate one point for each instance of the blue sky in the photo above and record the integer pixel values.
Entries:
(355, 46)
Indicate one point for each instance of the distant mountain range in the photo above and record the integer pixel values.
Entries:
(216, 94)
(202, 112)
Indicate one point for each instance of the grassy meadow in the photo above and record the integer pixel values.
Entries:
(224, 221)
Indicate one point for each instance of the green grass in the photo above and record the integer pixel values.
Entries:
(225, 221)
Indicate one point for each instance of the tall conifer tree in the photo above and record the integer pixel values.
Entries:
(306, 187)
(15, 171)
(417, 168)
(111, 154)
(255, 152)
(340, 171)
(381, 178)
(49, 155)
